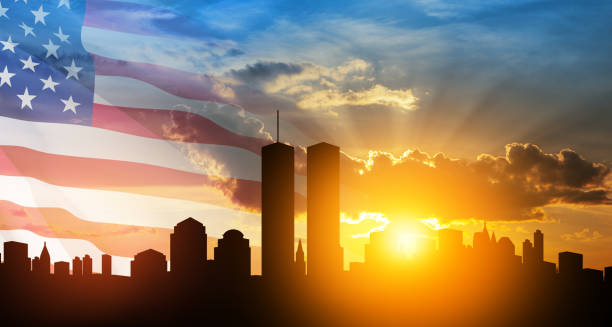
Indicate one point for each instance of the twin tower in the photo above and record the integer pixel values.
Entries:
(325, 256)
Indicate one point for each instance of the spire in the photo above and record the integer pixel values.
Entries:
(299, 251)
(493, 240)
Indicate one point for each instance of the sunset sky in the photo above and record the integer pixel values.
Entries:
(461, 111)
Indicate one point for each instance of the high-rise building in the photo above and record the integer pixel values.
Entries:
(107, 265)
(608, 274)
(300, 263)
(16, 257)
(44, 263)
(148, 264)
(87, 265)
(527, 252)
(61, 269)
(188, 247)
(77, 267)
(570, 264)
(450, 241)
(538, 246)
(233, 255)
(277, 207)
(325, 256)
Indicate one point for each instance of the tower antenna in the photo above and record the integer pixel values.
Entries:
(277, 128)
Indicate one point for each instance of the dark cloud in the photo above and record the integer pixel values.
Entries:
(264, 71)
(512, 187)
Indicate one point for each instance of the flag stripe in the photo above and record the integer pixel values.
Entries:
(67, 139)
(133, 93)
(176, 82)
(170, 125)
(126, 208)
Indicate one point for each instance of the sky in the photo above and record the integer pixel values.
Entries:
(452, 112)
(512, 91)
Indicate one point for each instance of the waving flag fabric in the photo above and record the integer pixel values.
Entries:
(98, 140)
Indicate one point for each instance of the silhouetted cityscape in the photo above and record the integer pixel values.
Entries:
(485, 284)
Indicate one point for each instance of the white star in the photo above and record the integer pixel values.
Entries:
(3, 11)
(73, 71)
(27, 29)
(64, 3)
(29, 64)
(51, 49)
(39, 15)
(9, 45)
(5, 77)
(69, 104)
(26, 99)
(63, 37)
(49, 83)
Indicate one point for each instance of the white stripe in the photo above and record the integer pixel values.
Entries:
(133, 93)
(179, 54)
(84, 141)
(64, 249)
(126, 208)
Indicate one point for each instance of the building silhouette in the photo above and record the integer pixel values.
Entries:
(528, 252)
(188, 248)
(325, 256)
(148, 264)
(538, 247)
(45, 260)
(570, 264)
(107, 265)
(16, 259)
(277, 209)
(87, 265)
(77, 267)
(61, 269)
(300, 262)
(233, 255)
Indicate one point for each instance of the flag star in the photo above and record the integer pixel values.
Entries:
(51, 49)
(65, 3)
(9, 45)
(29, 64)
(39, 15)
(5, 77)
(60, 35)
(73, 70)
(3, 11)
(27, 29)
(26, 99)
(69, 104)
(49, 83)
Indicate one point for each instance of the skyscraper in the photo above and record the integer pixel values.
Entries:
(107, 265)
(538, 246)
(233, 255)
(188, 247)
(277, 206)
(527, 252)
(77, 267)
(87, 265)
(325, 255)
(61, 269)
(45, 261)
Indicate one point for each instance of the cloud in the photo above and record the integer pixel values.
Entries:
(584, 235)
(319, 88)
(512, 187)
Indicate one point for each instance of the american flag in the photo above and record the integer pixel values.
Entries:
(103, 153)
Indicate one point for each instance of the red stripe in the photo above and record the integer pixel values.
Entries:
(174, 81)
(114, 175)
(170, 125)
